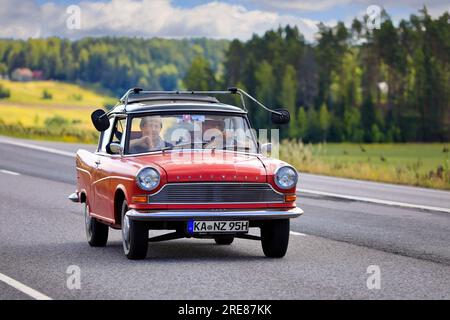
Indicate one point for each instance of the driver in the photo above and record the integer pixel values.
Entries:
(150, 141)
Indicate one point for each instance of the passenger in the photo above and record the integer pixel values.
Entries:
(213, 132)
(150, 141)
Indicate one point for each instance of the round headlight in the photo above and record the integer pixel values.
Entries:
(286, 177)
(147, 179)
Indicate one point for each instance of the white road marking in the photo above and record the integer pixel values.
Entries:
(377, 201)
(23, 288)
(298, 234)
(10, 172)
(40, 148)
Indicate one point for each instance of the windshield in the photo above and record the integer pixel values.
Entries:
(190, 131)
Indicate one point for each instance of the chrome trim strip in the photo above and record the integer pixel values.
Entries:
(102, 217)
(84, 170)
(194, 203)
(174, 215)
(112, 177)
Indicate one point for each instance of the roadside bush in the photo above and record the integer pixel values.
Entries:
(56, 122)
(46, 95)
(4, 92)
(76, 97)
(66, 134)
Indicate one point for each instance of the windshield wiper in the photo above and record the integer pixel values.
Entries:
(177, 145)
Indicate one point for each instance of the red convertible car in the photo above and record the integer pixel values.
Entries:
(186, 162)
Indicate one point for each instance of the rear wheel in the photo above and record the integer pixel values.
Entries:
(224, 240)
(96, 232)
(134, 236)
(275, 238)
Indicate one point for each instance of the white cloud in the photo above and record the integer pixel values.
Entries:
(303, 5)
(436, 7)
(145, 18)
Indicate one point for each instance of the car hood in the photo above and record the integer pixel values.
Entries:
(196, 166)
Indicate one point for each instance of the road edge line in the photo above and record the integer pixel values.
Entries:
(13, 173)
(40, 148)
(295, 233)
(377, 201)
(23, 288)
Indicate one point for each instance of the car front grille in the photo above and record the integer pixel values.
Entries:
(216, 193)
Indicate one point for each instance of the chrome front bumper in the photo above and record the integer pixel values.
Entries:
(74, 197)
(180, 215)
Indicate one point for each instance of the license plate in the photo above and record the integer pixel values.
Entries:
(217, 226)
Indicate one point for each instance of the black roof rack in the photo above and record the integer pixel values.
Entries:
(133, 97)
(279, 116)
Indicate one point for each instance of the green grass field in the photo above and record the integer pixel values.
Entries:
(419, 164)
(27, 106)
(63, 94)
(25, 113)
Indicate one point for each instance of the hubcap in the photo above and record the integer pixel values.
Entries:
(125, 231)
(88, 222)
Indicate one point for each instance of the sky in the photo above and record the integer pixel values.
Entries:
(220, 19)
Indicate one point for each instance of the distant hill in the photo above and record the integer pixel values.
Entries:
(115, 64)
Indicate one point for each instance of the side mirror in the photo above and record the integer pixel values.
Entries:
(100, 120)
(115, 148)
(282, 117)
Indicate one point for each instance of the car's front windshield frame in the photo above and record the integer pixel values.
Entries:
(132, 116)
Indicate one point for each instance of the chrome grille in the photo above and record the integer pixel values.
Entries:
(216, 193)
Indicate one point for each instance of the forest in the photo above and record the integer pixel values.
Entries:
(354, 84)
(111, 63)
(384, 85)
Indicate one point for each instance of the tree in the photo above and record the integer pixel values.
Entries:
(200, 76)
(324, 121)
(302, 122)
(313, 132)
(368, 118)
(288, 97)
(265, 92)
(352, 127)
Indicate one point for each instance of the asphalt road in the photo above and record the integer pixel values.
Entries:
(331, 245)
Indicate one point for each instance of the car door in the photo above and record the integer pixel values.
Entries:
(103, 188)
(97, 172)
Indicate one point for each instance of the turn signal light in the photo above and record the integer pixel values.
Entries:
(139, 199)
(290, 198)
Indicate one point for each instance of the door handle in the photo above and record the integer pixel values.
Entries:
(97, 162)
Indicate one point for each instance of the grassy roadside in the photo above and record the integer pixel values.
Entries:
(416, 164)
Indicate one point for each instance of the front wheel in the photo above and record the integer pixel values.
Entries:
(96, 232)
(134, 236)
(275, 238)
